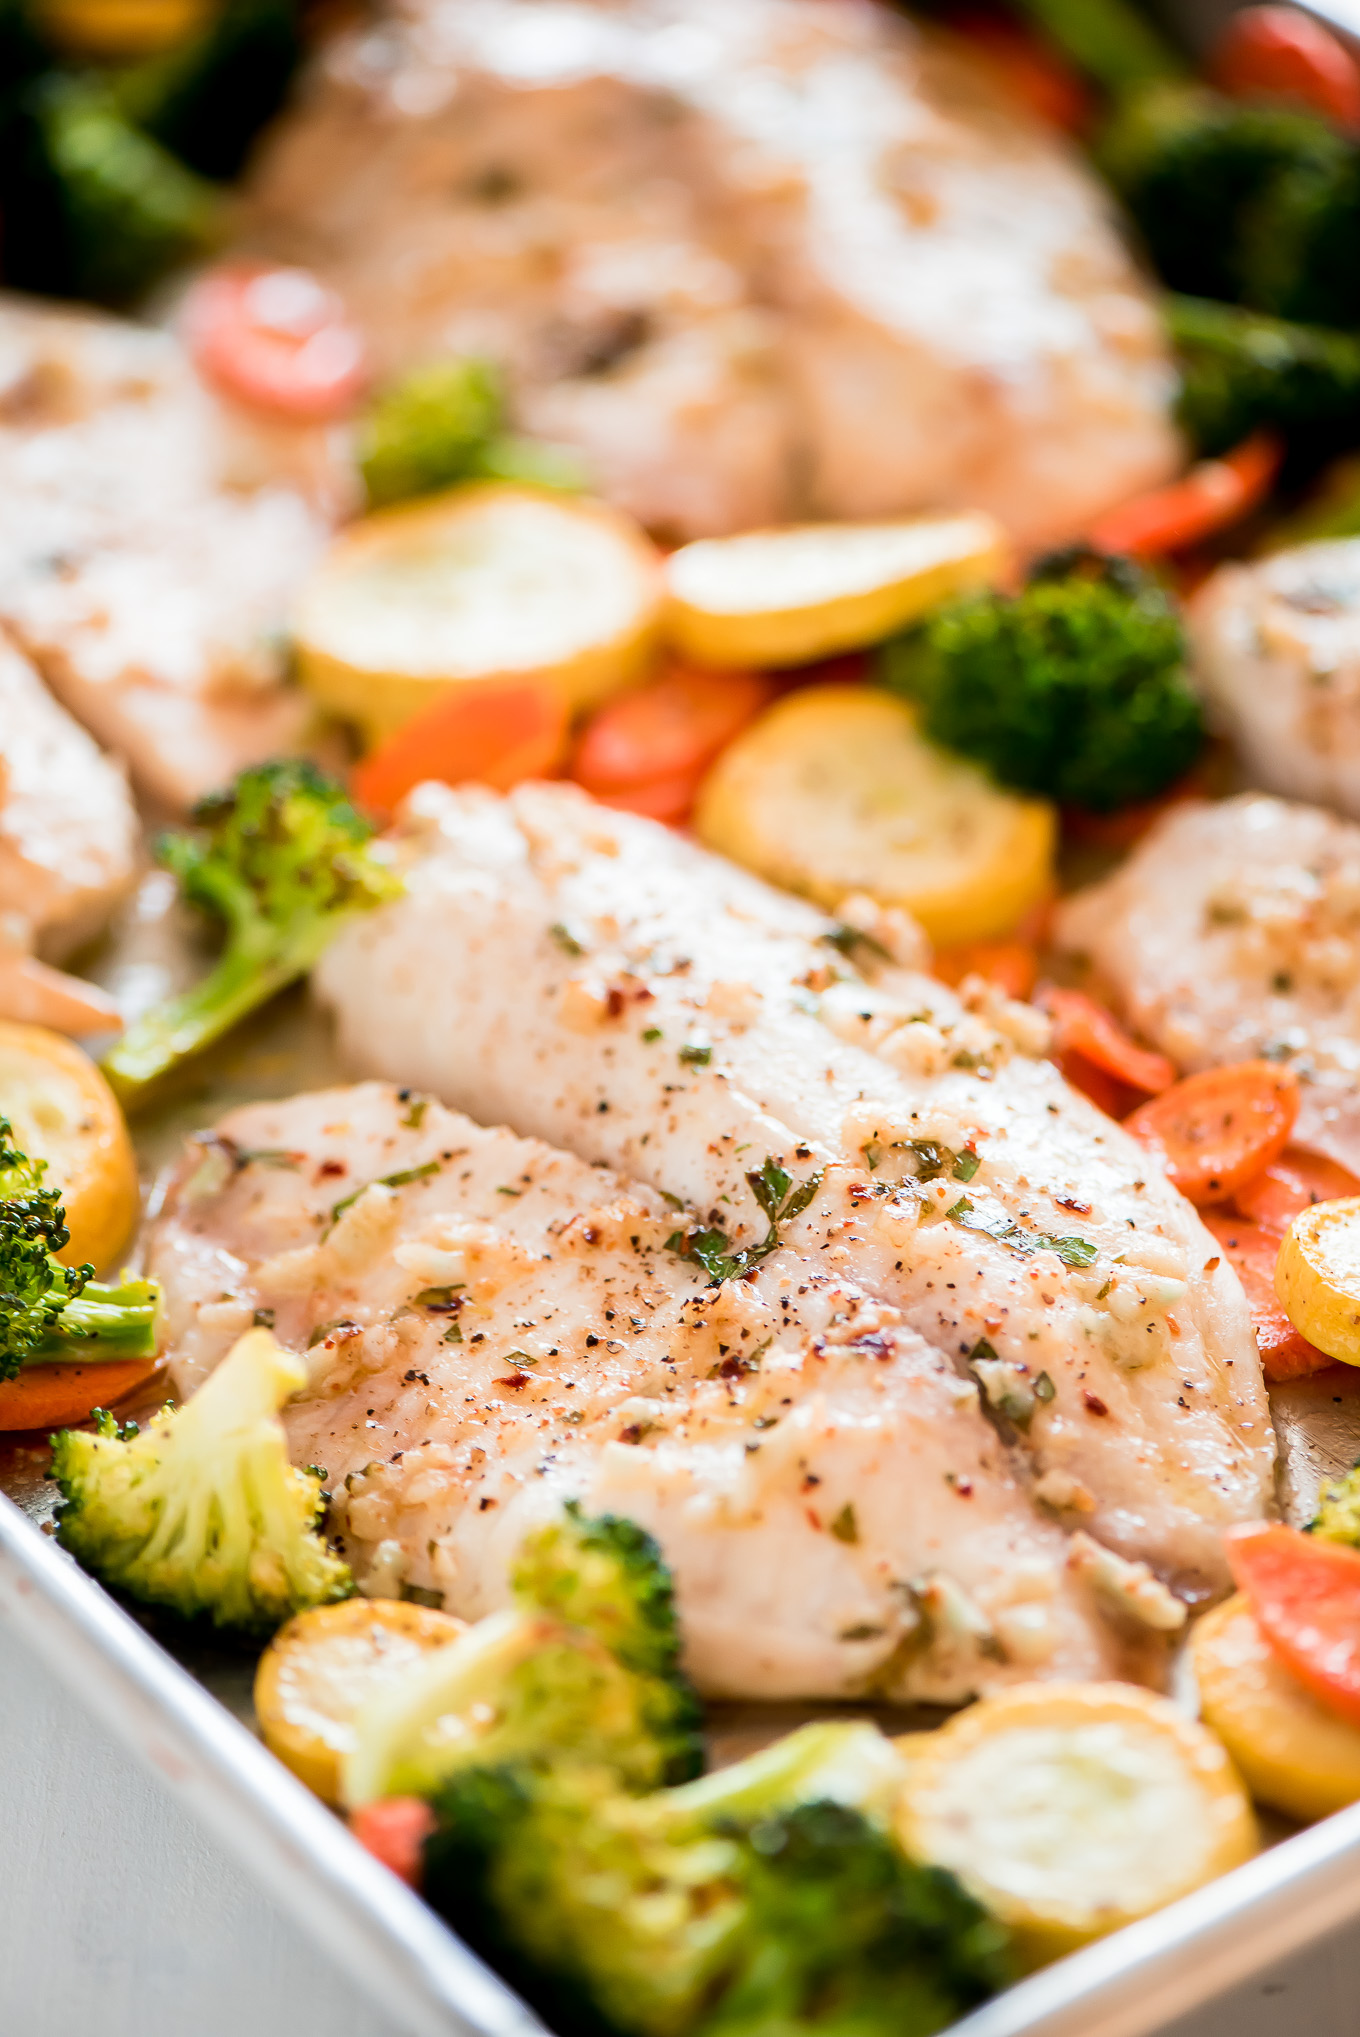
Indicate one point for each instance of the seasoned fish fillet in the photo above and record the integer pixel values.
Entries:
(495, 1327)
(1277, 653)
(596, 981)
(68, 829)
(149, 596)
(756, 260)
(1233, 931)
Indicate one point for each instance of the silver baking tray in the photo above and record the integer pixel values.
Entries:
(183, 1708)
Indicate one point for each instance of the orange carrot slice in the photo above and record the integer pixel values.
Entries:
(394, 1830)
(670, 729)
(1083, 1026)
(1217, 1129)
(1252, 1249)
(1292, 1184)
(1305, 1596)
(54, 1396)
(1209, 498)
(1283, 53)
(497, 734)
(1013, 966)
(277, 340)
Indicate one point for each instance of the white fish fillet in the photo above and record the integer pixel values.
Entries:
(838, 1512)
(150, 595)
(1277, 652)
(594, 980)
(1233, 931)
(68, 828)
(758, 259)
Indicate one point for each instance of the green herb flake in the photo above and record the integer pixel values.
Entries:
(401, 1179)
(1044, 1389)
(415, 1116)
(566, 939)
(696, 1057)
(651, 1034)
(780, 1202)
(966, 1165)
(845, 1527)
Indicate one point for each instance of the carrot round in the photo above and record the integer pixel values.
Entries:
(1251, 1249)
(1292, 1184)
(54, 1396)
(1283, 53)
(394, 1830)
(277, 340)
(668, 730)
(1085, 1027)
(1305, 1596)
(1217, 1129)
(497, 733)
(1209, 498)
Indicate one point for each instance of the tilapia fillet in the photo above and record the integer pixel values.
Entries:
(495, 1327)
(593, 980)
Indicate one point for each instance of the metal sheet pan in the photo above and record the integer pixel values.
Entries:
(184, 1707)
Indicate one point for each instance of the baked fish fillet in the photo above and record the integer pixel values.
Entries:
(495, 1327)
(593, 980)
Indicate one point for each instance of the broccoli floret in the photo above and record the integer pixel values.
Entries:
(201, 1511)
(1338, 1515)
(47, 1310)
(1240, 370)
(284, 862)
(92, 206)
(768, 1897)
(207, 99)
(1236, 199)
(607, 1577)
(444, 424)
(1075, 688)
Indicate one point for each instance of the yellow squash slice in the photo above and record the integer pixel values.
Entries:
(64, 1112)
(1294, 1754)
(325, 1664)
(1071, 1809)
(123, 28)
(783, 597)
(473, 587)
(1317, 1277)
(835, 790)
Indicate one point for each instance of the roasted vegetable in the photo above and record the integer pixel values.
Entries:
(585, 1669)
(1071, 1809)
(446, 423)
(1241, 370)
(63, 1112)
(284, 862)
(206, 100)
(1338, 1515)
(48, 1310)
(1317, 1277)
(1113, 42)
(765, 1898)
(201, 1511)
(834, 789)
(1075, 688)
(93, 207)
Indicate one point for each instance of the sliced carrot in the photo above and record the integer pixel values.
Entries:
(1292, 1184)
(1035, 73)
(54, 1396)
(1082, 1026)
(1305, 1596)
(1283, 53)
(1252, 1249)
(1012, 965)
(497, 733)
(1217, 1129)
(277, 340)
(672, 728)
(666, 799)
(1209, 498)
(394, 1830)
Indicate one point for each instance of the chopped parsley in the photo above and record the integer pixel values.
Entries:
(696, 1057)
(845, 939)
(400, 1179)
(845, 1527)
(566, 939)
(780, 1201)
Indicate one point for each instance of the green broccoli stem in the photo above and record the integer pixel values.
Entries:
(1109, 40)
(103, 1323)
(833, 1760)
(259, 962)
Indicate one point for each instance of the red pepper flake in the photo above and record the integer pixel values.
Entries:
(515, 1380)
(1094, 1404)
